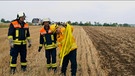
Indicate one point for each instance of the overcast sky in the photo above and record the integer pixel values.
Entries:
(99, 11)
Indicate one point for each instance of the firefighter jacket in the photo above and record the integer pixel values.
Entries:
(19, 32)
(48, 38)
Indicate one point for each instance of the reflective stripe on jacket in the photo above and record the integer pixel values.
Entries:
(19, 32)
(48, 38)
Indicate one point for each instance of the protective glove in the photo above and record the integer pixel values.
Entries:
(39, 49)
(11, 43)
(29, 43)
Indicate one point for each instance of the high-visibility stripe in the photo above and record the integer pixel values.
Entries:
(48, 65)
(9, 37)
(40, 45)
(44, 39)
(19, 42)
(12, 65)
(23, 63)
(10, 59)
(50, 46)
(17, 33)
(54, 65)
(28, 37)
(52, 37)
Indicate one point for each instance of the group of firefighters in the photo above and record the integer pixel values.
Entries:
(51, 37)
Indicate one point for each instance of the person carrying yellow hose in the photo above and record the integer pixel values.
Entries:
(18, 34)
(48, 40)
(68, 48)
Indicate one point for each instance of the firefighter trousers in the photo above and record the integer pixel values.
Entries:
(72, 57)
(51, 57)
(14, 54)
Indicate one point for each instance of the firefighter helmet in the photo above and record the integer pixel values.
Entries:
(20, 14)
(46, 20)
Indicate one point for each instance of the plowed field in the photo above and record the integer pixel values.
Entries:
(116, 49)
(102, 51)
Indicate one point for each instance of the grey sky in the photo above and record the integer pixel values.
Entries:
(99, 11)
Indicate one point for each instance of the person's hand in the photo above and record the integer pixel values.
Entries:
(11, 43)
(29, 43)
(39, 49)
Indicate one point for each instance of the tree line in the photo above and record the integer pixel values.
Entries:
(99, 24)
(84, 24)
(4, 21)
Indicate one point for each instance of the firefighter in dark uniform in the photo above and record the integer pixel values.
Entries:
(48, 40)
(18, 35)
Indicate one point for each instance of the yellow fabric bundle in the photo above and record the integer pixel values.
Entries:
(53, 27)
(67, 43)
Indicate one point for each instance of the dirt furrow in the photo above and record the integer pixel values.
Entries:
(112, 58)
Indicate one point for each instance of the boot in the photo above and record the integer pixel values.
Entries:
(12, 70)
(23, 68)
(54, 69)
(48, 68)
(62, 74)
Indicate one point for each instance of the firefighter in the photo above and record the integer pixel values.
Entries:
(18, 35)
(48, 40)
(68, 48)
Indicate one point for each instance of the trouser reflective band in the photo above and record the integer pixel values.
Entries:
(10, 37)
(12, 65)
(48, 65)
(23, 63)
(54, 65)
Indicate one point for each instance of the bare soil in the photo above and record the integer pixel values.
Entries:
(116, 49)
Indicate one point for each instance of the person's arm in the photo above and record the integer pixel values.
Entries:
(41, 41)
(11, 31)
(10, 35)
(28, 34)
(28, 37)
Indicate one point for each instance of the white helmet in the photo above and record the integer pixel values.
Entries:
(20, 14)
(46, 19)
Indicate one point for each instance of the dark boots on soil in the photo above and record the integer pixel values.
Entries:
(24, 68)
(12, 70)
